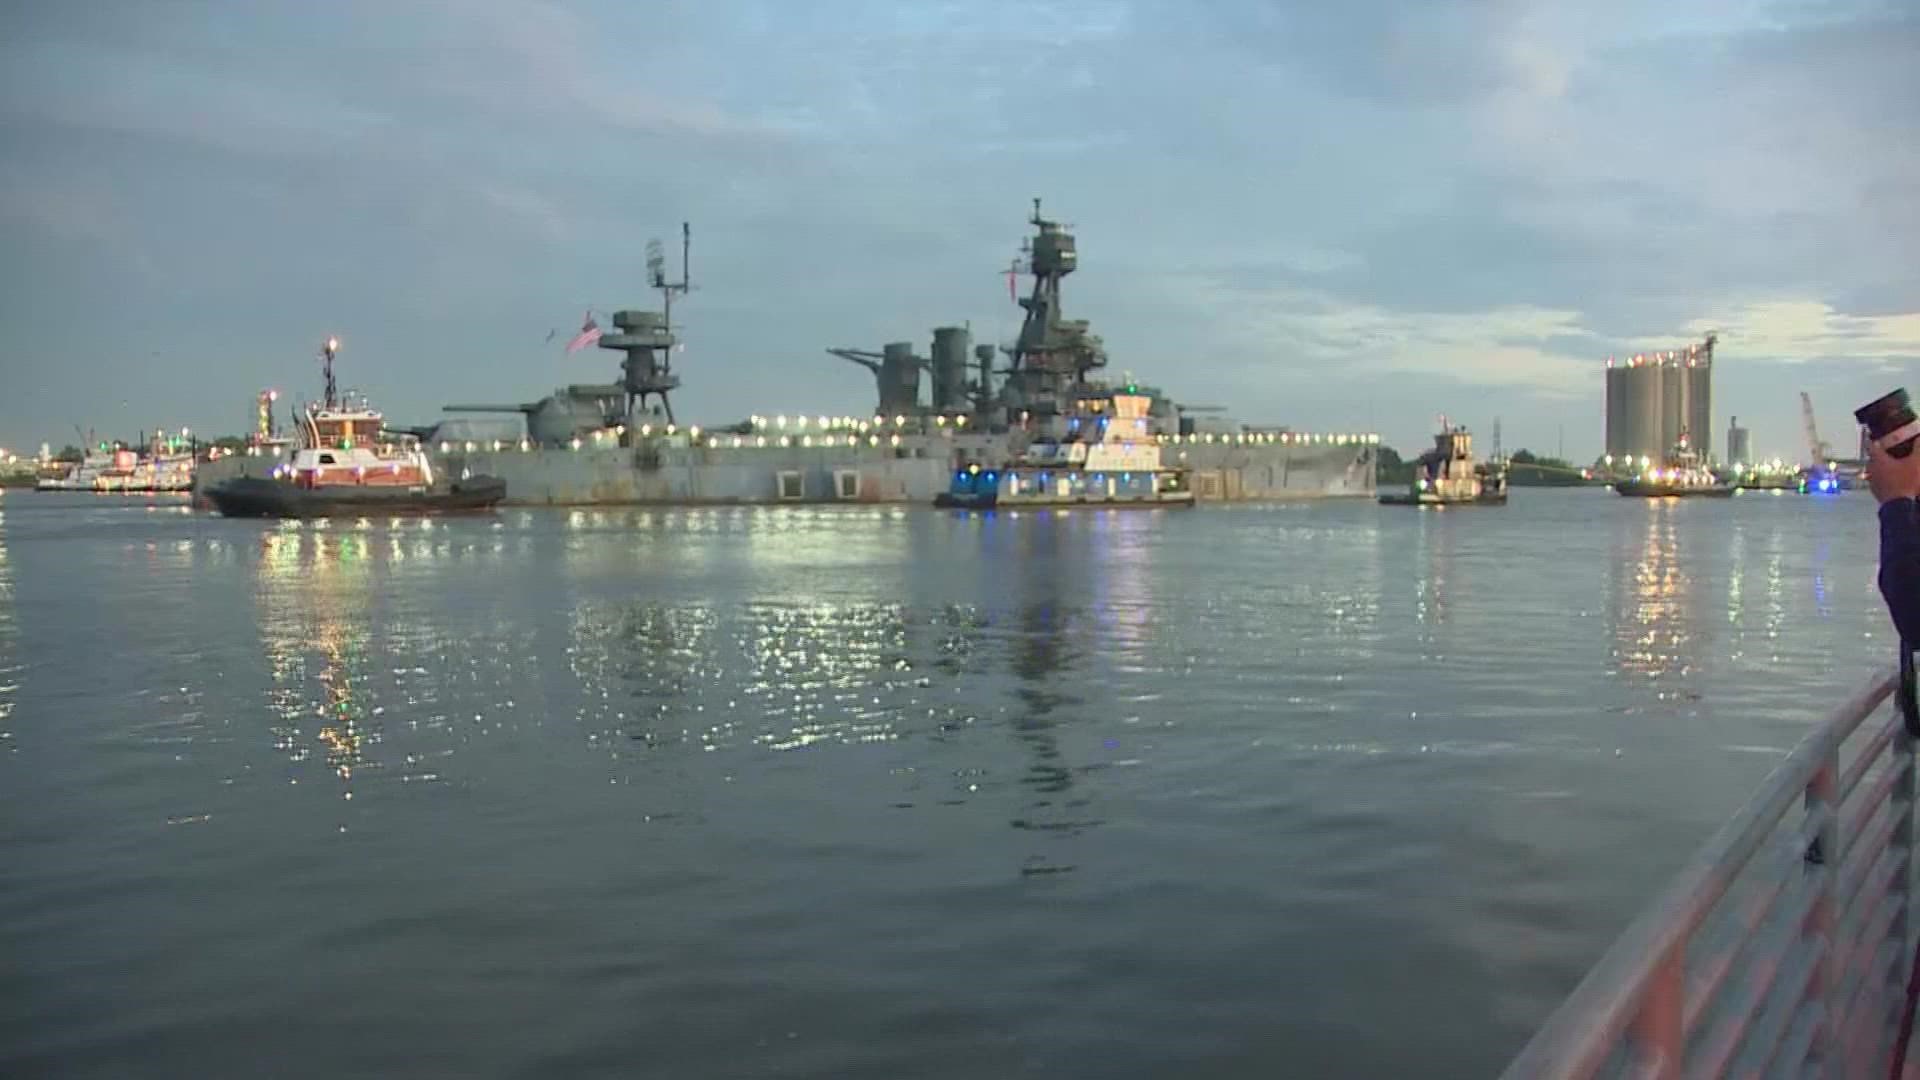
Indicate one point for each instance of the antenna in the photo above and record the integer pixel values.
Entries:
(657, 272)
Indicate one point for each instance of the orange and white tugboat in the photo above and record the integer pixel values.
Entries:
(347, 464)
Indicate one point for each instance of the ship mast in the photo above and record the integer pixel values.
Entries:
(647, 337)
(1053, 355)
(327, 351)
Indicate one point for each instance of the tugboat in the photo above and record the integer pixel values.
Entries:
(345, 465)
(1681, 475)
(1107, 456)
(1447, 475)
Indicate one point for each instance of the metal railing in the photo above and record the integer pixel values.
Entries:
(1782, 947)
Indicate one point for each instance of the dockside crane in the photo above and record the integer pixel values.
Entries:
(1822, 453)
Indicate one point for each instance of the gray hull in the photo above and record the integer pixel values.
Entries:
(912, 473)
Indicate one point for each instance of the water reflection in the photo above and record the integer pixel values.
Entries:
(783, 675)
(804, 673)
(314, 590)
(1433, 584)
(1125, 599)
(11, 668)
(1044, 645)
(1654, 631)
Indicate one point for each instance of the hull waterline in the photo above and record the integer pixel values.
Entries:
(260, 498)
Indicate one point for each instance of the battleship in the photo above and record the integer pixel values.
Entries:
(621, 442)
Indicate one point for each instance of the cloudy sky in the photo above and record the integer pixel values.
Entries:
(1335, 215)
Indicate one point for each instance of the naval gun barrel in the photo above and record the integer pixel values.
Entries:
(528, 408)
(896, 374)
(868, 360)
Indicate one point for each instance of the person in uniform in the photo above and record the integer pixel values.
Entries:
(1896, 483)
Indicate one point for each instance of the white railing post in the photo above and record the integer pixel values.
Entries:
(1659, 1032)
(1823, 799)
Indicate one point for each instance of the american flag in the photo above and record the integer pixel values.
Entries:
(589, 333)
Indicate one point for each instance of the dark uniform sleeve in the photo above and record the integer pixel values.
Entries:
(1900, 565)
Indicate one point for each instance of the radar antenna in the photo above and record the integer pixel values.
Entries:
(657, 271)
(656, 265)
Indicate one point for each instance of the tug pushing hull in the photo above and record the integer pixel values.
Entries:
(620, 443)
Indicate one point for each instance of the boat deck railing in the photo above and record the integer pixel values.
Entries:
(1783, 946)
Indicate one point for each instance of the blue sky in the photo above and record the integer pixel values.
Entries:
(1338, 216)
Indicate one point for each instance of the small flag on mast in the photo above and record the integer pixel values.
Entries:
(589, 333)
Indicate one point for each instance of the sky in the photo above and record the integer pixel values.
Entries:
(1351, 216)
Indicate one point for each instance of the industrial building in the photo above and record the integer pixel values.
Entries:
(1739, 443)
(1654, 400)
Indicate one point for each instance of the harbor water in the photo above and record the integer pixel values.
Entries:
(1314, 789)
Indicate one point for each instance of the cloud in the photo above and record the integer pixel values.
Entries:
(1312, 210)
(1297, 333)
(1808, 332)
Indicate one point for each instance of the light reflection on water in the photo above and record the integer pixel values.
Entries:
(938, 795)
(1655, 613)
(10, 668)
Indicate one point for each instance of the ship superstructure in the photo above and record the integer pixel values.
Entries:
(1053, 355)
(165, 465)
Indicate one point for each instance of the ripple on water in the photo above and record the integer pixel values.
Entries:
(874, 791)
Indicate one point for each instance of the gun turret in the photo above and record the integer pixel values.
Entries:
(572, 412)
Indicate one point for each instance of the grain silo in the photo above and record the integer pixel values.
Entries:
(1673, 402)
(1644, 414)
(1616, 410)
(1699, 382)
(1739, 443)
